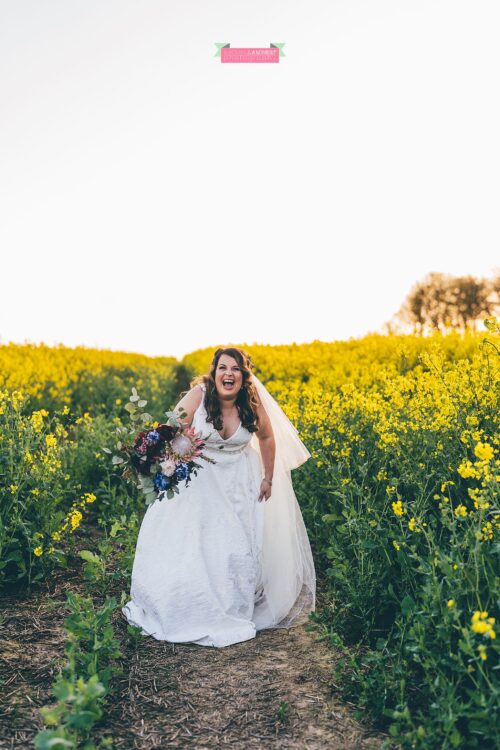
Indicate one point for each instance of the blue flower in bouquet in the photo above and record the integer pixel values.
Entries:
(182, 472)
(161, 482)
(153, 436)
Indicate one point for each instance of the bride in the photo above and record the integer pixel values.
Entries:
(229, 555)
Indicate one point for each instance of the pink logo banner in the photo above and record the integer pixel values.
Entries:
(230, 54)
(250, 55)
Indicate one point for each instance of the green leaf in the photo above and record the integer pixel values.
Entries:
(48, 739)
(408, 605)
(89, 556)
(465, 647)
(116, 526)
(330, 517)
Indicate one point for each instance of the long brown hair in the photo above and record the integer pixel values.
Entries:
(247, 399)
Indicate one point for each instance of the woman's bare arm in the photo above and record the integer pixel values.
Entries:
(189, 403)
(267, 447)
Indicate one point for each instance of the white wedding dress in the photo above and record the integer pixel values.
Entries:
(199, 572)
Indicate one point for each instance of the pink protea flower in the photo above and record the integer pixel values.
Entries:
(186, 444)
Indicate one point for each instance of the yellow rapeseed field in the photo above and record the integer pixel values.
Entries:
(401, 498)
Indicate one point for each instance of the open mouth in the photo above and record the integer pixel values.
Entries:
(228, 384)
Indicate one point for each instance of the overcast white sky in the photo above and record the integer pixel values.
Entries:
(156, 200)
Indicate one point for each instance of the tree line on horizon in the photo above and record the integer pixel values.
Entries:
(442, 302)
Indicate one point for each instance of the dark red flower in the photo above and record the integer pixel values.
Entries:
(166, 431)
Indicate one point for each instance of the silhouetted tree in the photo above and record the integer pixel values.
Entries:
(468, 300)
(441, 302)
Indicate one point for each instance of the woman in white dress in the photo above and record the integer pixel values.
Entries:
(229, 555)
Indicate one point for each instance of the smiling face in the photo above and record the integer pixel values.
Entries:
(228, 377)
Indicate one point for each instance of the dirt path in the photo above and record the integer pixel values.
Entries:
(231, 697)
(180, 696)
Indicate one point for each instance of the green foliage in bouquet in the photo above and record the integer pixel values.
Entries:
(139, 469)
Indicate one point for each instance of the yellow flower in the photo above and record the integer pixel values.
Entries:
(37, 419)
(56, 536)
(482, 651)
(467, 470)
(89, 497)
(461, 511)
(487, 531)
(118, 401)
(65, 410)
(482, 624)
(445, 485)
(75, 517)
(38, 551)
(451, 602)
(35, 492)
(50, 440)
(396, 545)
(484, 451)
(13, 488)
(397, 508)
(412, 525)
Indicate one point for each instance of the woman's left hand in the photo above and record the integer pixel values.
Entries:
(265, 490)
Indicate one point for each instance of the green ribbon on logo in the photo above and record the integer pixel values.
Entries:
(219, 46)
(280, 46)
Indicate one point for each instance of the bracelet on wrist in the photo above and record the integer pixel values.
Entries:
(269, 481)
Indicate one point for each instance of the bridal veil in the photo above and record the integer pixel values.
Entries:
(288, 574)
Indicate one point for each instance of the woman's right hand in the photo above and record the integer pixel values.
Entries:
(265, 490)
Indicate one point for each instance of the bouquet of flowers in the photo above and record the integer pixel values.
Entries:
(157, 457)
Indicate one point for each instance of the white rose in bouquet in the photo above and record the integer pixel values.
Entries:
(168, 467)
